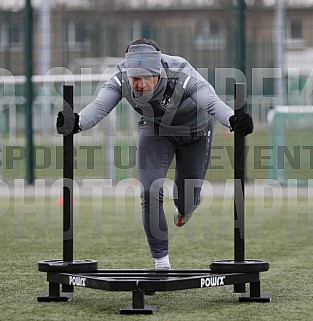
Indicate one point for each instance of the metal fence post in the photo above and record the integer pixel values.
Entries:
(28, 44)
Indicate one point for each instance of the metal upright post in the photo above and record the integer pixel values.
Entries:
(240, 264)
(68, 176)
(67, 264)
(239, 181)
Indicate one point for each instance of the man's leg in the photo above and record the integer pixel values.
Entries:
(192, 161)
(154, 156)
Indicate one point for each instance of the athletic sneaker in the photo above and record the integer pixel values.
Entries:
(162, 263)
(163, 267)
(180, 219)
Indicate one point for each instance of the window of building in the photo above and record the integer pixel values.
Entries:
(4, 36)
(15, 36)
(75, 35)
(139, 29)
(294, 33)
(209, 35)
(134, 31)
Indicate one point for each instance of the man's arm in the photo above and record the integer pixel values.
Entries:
(205, 97)
(108, 97)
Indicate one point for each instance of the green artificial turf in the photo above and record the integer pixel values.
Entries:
(111, 232)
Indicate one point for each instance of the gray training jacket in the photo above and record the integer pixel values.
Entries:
(183, 101)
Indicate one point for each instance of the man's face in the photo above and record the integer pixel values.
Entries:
(145, 84)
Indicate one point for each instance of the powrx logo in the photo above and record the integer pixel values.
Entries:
(77, 281)
(212, 281)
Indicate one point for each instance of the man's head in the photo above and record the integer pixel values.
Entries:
(144, 84)
(143, 64)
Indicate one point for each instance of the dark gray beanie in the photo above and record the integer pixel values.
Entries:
(143, 60)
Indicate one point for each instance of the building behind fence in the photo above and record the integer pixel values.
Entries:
(81, 41)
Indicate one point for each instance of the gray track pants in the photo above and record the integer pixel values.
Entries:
(154, 156)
